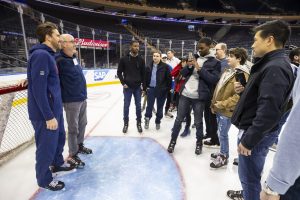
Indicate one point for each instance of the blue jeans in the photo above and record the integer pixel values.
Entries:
(250, 167)
(183, 109)
(160, 96)
(137, 93)
(224, 124)
(282, 122)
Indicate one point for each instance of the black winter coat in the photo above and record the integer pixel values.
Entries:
(262, 103)
(163, 76)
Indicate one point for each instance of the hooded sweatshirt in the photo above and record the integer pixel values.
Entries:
(44, 95)
(191, 87)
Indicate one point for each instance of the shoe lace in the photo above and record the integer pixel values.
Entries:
(53, 183)
(74, 160)
(238, 194)
(218, 160)
(215, 154)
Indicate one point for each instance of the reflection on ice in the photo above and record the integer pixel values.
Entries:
(122, 168)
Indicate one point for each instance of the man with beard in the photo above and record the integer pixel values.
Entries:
(45, 107)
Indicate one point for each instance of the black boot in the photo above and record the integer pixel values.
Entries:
(125, 127)
(139, 127)
(147, 120)
(171, 146)
(198, 149)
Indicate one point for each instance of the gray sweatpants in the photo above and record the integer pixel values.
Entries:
(77, 121)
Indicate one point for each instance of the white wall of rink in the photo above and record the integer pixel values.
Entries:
(92, 76)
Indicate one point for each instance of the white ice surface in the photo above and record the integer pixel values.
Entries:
(105, 113)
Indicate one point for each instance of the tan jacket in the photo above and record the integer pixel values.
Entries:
(225, 99)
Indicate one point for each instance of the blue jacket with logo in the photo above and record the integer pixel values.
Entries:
(44, 95)
(72, 80)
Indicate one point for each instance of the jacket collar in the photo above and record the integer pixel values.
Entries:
(64, 55)
(267, 57)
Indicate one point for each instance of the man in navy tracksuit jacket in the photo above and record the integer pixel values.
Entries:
(45, 106)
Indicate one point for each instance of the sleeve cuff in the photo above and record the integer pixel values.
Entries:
(49, 116)
(244, 143)
(277, 185)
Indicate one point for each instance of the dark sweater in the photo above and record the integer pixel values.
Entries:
(131, 71)
(44, 95)
(262, 103)
(72, 80)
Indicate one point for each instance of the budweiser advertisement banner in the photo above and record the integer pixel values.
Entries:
(88, 43)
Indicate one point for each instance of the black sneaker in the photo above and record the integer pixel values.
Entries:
(214, 155)
(125, 128)
(66, 168)
(171, 146)
(236, 161)
(220, 162)
(235, 195)
(147, 120)
(76, 162)
(198, 149)
(139, 127)
(84, 150)
(211, 144)
(206, 136)
(157, 126)
(55, 185)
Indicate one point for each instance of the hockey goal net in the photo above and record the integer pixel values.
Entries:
(16, 132)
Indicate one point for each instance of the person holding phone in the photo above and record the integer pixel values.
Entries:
(224, 101)
(199, 78)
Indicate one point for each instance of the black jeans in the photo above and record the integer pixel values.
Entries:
(293, 192)
(183, 109)
(169, 100)
(211, 123)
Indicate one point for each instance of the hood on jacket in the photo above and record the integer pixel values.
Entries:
(244, 68)
(41, 47)
(211, 54)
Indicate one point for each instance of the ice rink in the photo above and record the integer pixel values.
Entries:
(130, 167)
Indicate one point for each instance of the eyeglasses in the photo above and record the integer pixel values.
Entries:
(71, 41)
